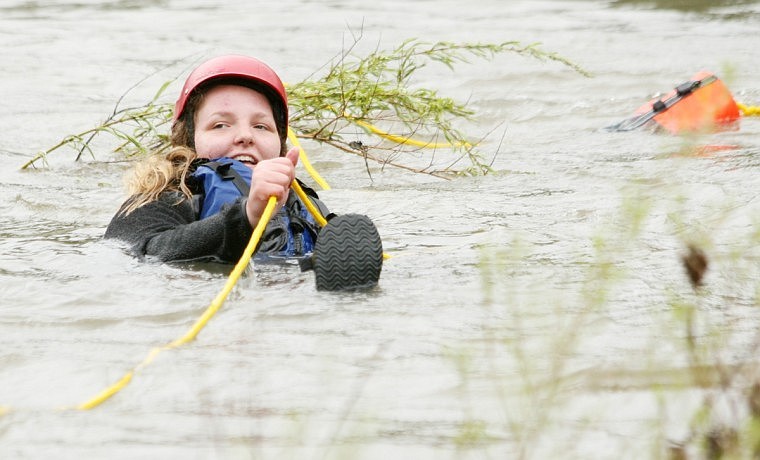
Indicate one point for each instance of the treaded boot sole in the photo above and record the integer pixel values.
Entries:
(348, 254)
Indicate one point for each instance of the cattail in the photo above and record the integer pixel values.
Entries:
(696, 264)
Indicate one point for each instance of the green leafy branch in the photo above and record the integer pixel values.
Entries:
(377, 89)
(136, 128)
(374, 92)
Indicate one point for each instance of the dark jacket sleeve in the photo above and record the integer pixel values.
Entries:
(167, 230)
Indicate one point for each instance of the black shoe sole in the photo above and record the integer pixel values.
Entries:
(348, 254)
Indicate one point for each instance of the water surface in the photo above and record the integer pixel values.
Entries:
(493, 279)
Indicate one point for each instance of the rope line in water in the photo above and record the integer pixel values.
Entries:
(240, 267)
(748, 110)
(305, 160)
(200, 323)
(210, 311)
(404, 140)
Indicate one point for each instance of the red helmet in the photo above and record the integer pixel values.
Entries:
(235, 66)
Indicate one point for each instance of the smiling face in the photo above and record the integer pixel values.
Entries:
(236, 122)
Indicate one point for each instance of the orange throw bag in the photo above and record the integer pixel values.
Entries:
(698, 105)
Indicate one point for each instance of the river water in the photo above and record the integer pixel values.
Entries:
(537, 312)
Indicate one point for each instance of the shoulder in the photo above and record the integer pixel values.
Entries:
(169, 210)
(171, 204)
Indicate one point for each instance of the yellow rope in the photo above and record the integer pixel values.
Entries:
(405, 140)
(201, 322)
(305, 160)
(212, 309)
(216, 304)
(309, 205)
(749, 111)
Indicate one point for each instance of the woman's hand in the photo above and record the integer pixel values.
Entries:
(271, 178)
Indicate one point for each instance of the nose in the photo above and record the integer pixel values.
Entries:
(244, 135)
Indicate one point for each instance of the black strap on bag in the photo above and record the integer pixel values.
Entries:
(682, 90)
(226, 172)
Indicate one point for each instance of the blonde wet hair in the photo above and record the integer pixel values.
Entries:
(163, 172)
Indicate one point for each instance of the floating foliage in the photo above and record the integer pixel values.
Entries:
(373, 92)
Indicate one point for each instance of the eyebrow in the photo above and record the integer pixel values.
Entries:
(226, 113)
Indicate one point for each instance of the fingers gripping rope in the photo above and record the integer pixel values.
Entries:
(215, 305)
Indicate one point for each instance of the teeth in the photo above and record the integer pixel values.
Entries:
(246, 159)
